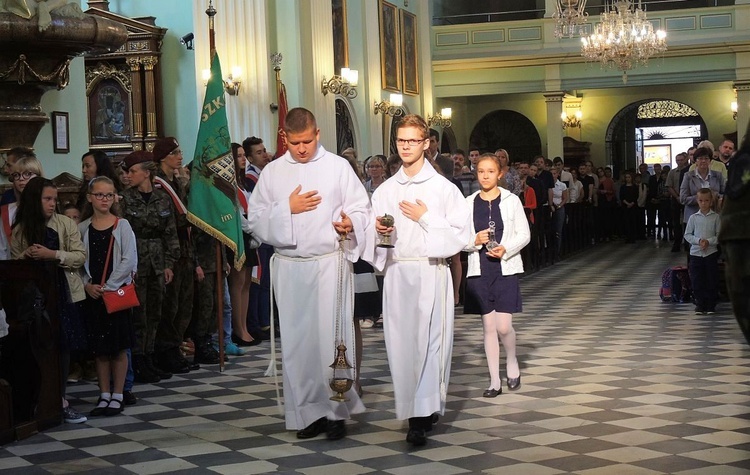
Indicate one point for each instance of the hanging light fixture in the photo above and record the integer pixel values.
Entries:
(624, 39)
(570, 15)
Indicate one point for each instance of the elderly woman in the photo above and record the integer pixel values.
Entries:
(701, 177)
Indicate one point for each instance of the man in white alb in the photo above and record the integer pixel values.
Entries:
(301, 204)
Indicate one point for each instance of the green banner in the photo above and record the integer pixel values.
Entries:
(212, 203)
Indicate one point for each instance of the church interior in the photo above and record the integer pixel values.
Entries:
(615, 381)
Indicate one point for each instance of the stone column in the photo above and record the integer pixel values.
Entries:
(554, 102)
(149, 62)
(136, 101)
(743, 109)
(316, 48)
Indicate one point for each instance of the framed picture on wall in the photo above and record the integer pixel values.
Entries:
(60, 132)
(340, 37)
(109, 114)
(409, 53)
(390, 61)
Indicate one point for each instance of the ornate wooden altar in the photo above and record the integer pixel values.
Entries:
(30, 384)
(124, 87)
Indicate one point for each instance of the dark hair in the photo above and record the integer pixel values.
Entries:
(20, 152)
(445, 165)
(249, 142)
(434, 133)
(557, 160)
(30, 216)
(702, 152)
(299, 120)
(393, 159)
(459, 151)
(238, 174)
(104, 167)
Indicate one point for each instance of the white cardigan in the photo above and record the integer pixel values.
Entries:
(516, 235)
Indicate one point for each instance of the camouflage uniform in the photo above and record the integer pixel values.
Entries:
(153, 224)
(204, 312)
(177, 307)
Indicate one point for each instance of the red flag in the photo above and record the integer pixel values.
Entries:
(283, 109)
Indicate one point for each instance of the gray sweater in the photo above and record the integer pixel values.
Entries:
(124, 255)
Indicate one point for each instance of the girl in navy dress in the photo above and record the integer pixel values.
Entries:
(110, 335)
(500, 231)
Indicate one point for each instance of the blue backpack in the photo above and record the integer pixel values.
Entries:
(675, 285)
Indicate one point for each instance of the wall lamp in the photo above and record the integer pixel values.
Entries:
(231, 84)
(187, 40)
(734, 110)
(572, 121)
(391, 107)
(441, 119)
(345, 84)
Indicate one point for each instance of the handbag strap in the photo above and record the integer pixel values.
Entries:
(109, 252)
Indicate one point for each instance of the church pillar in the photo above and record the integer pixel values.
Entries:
(135, 80)
(743, 108)
(316, 43)
(554, 102)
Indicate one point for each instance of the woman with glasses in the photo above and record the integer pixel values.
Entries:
(21, 172)
(39, 233)
(149, 212)
(376, 171)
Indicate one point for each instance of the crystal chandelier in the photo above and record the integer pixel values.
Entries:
(624, 38)
(569, 16)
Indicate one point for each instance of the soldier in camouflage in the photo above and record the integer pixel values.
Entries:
(150, 214)
(177, 308)
(204, 319)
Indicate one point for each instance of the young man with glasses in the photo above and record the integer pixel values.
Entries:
(431, 223)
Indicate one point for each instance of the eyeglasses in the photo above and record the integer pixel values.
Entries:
(21, 176)
(103, 196)
(176, 152)
(411, 142)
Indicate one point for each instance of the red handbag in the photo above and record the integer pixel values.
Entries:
(123, 298)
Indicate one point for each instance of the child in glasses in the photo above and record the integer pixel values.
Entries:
(109, 335)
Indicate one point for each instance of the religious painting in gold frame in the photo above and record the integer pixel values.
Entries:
(409, 53)
(110, 107)
(390, 61)
(340, 36)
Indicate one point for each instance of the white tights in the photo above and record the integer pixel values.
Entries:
(500, 325)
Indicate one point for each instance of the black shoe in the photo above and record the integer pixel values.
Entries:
(242, 343)
(490, 393)
(159, 372)
(514, 383)
(710, 311)
(129, 398)
(699, 310)
(205, 354)
(99, 410)
(114, 408)
(260, 335)
(335, 430)
(416, 437)
(314, 429)
(141, 371)
(171, 361)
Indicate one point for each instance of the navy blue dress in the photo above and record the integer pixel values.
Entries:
(491, 290)
(108, 333)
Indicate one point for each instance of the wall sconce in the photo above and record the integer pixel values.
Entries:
(441, 119)
(733, 105)
(232, 83)
(391, 107)
(345, 84)
(573, 121)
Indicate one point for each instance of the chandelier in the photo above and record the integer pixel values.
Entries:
(624, 38)
(569, 16)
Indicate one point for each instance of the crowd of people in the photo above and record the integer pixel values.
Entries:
(395, 241)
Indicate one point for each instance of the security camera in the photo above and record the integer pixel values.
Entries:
(187, 40)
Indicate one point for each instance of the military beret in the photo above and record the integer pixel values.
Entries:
(163, 146)
(139, 156)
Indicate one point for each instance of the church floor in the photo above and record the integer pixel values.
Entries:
(614, 382)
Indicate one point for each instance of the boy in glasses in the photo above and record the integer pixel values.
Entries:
(431, 224)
